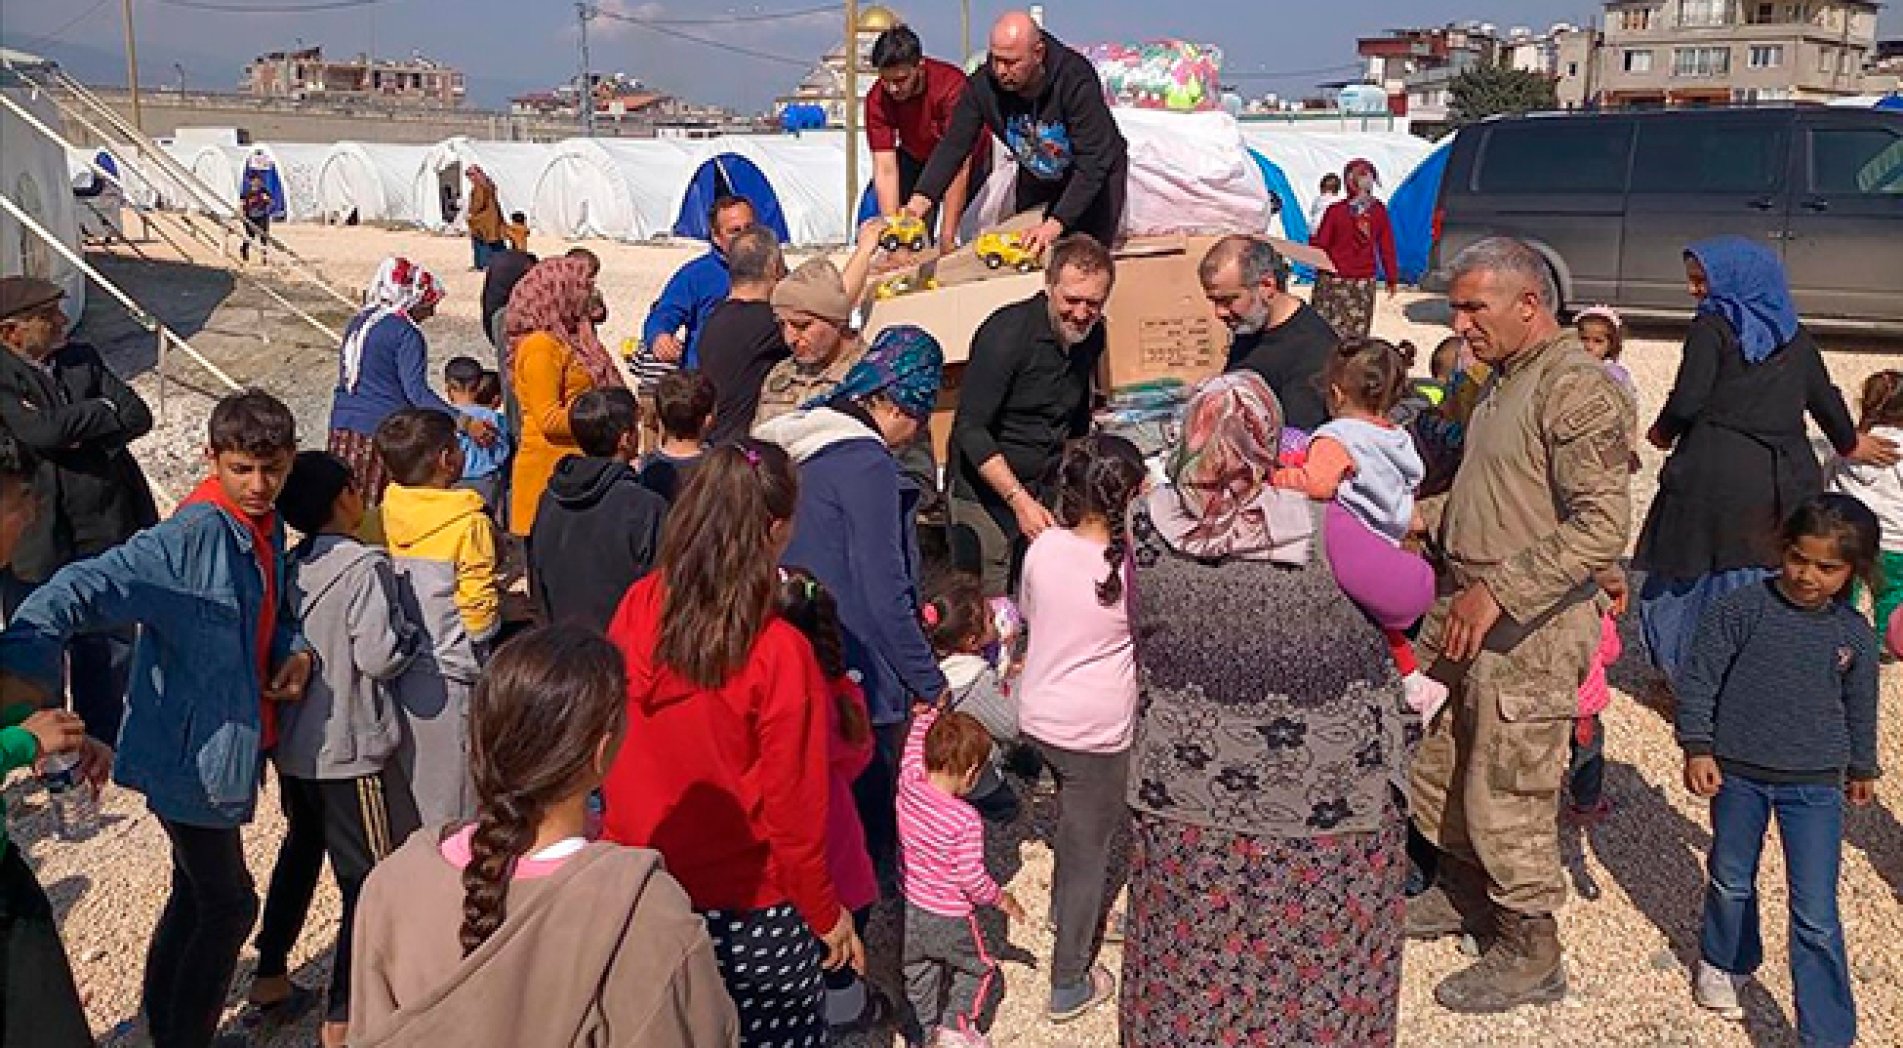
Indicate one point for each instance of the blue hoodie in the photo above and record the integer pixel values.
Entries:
(687, 301)
(191, 736)
(853, 530)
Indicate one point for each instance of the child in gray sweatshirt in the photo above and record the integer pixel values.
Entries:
(337, 773)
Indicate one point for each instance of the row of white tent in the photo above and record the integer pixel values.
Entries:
(1207, 166)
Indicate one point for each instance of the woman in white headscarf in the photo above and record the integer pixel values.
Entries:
(384, 368)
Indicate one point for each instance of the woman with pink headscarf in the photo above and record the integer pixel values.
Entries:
(1359, 240)
(554, 357)
(1269, 858)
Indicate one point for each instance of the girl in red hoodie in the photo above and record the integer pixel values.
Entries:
(724, 770)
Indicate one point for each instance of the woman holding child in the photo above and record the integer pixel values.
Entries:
(554, 357)
(1269, 857)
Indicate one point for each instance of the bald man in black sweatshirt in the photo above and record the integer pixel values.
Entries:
(1046, 103)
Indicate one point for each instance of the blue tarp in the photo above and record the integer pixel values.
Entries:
(1893, 102)
(259, 164)
(1294, 220)
(733, 174)
(1411, 212)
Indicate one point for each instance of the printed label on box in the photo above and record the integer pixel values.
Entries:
(1173, 342)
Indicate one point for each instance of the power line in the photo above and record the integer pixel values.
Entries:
(275, 9)
(57, 34)
(761, 16)
(721, 45)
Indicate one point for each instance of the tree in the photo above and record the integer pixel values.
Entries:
(1491, 90)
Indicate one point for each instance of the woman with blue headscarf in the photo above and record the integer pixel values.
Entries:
(853, 530)
(1734, 424)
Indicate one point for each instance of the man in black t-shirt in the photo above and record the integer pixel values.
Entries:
(741, 340)
(1277, 335)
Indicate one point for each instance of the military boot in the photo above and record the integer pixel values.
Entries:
(1523, 966)
(1456, 904)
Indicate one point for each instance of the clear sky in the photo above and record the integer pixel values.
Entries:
(509, 47)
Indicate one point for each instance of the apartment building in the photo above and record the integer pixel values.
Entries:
(307, 74)
(1713, 52)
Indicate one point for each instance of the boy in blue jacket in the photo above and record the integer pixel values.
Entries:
(217, 648)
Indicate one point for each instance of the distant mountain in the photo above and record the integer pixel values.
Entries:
(105, 63)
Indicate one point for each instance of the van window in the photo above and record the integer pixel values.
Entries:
(1710, 156)
(1857, 161)
(1571, 156)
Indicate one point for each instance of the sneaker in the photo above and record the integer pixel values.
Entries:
(1070, 1002)
(1716, 990)
(1425, 695)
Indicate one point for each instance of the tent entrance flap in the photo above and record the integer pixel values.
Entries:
(728, 174)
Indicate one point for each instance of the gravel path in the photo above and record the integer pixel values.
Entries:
(1628, 947)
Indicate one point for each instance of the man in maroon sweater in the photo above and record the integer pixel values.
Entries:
(907, 111)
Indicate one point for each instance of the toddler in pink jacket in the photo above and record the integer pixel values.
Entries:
(1587, 773)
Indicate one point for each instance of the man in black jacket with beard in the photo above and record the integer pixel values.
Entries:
(61, 402)
(597, 529)
(1046, 103)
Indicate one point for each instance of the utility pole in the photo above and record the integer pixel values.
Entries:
(132, 67)
(964, 25)
(585, 100)
(852, 119)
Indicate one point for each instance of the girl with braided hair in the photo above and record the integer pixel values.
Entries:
(516, 929)
(1078, 696)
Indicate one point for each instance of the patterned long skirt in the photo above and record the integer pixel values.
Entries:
(359, 452)
(1347, 305)
(770, 962)
(1235, 939)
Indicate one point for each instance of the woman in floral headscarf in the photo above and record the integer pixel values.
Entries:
(554, 357)
(1360, 242)
(853, 530)
(1269, 859)
(384, 368)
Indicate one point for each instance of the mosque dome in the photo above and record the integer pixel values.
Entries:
(877, 19)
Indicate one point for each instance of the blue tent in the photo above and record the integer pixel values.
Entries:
(733, 175)
(1294, 220)
(1892, 102)
(1411, 211)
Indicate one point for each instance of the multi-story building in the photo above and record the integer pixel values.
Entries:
(306, 73)
(1706, 52)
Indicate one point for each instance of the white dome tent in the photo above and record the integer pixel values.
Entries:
(623, 189)
(1305, 156)
(516, 167)
(34, 175)
(223, 167)
(375, 181)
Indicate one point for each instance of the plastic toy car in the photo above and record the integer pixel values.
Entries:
(905, 231)
(903, 284)
(998, 250)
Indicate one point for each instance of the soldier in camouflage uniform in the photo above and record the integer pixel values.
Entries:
(1535, 523)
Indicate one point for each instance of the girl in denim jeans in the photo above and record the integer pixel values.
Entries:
(1777, 714)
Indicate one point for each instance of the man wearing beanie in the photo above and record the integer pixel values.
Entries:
(63, 404)
(815, 315)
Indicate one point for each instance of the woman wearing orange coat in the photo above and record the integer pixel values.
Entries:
(554, 357)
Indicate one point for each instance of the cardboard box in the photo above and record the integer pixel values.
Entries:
(1157, 322)
(947, 408)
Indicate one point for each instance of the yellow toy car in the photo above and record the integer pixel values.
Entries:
(905, 231)
(998, 250)
(904, 284)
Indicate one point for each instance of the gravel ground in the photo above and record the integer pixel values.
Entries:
(1631, 928)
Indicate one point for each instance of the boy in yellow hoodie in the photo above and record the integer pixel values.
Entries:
(444, 549)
